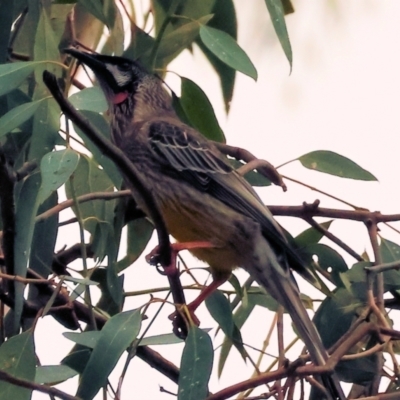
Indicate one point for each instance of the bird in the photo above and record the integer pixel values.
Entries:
(200, 195)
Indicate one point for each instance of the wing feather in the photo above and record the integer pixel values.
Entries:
(183, 151)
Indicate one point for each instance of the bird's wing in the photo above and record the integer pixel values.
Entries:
(181, 150)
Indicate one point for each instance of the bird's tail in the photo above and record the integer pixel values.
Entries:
(279, 282)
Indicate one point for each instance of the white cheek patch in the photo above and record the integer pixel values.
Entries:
(121, 77)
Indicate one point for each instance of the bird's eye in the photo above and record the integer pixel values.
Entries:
(125, 67)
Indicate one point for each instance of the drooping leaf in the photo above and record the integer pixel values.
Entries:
(220, 309)
(88, 339)
(311, 235)
(102, 126)
(240, 316)
(56, 167)
(227, 50)
(225, 20)
(17, 357)
(27, 205)
(53, 374)
(196, 364)
(199, 111)
(168, 338)
(17, 116)
(107, 301)
(277, 14)
(13, 74)
(139, 233)
(173, 43)
(117, 334)
(333, 319)
(328, 259)
(43, 243)
(390, 252)
(91, 99)
(46, 123)
(77, 359)
(105, 11)
(335, 164)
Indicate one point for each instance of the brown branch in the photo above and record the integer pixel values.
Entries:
(376, 299)
(262, 166)
(313, 210)
(334, 239)
(51, 391)
(82, 199)
(295, 368)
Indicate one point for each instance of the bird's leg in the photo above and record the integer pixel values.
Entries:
(184, 316)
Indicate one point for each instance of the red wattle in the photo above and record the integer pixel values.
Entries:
(120, 97)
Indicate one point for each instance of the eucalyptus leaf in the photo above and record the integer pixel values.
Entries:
(91, 99)
(277, 14)
(199, 111)
(17, 116)
(17, 358)
(13, 74)
(335, 164)
(227, 50)
(56, 167)
(196, 365)
(117, 334)
(53, 374)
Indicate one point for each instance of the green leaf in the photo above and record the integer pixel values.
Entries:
(227, 50)
(117, 334)
(46, 123)
(199, 111)
(390, 251)
(220, 309)
(139, 233)
(240, 316)
(169, 338)
(335, 164)
(104, 11)
(102, 127)
(77, 359)
(311, 235)
(340, 311)
(13, 74)
(45, 47)
(328, 259)
(91, 99)
(225, 20)
(196, 365)
(277, 15)
(89, 178)
(53, 374)
(56, 168)
(88, 339)
(17, 116)
(175, 42)
(43, 243)
(17, 358)
(27, 205)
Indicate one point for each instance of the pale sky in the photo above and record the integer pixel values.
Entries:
(343, 95)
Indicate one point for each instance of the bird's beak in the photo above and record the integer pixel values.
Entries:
(91, 60)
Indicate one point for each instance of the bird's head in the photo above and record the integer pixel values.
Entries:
(126, 83)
